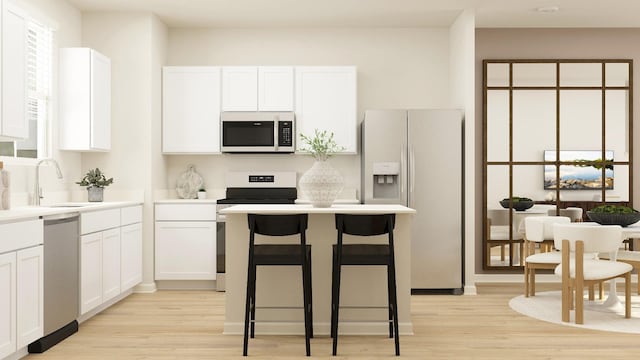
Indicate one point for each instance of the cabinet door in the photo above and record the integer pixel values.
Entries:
(14, 97)
(326, 100)
(185, 250)
(7, 304)
(90, 271)
(239, 88)
(100, 101)
(30, 299)
(191, 109)
(275, 88)
(131, 253)
(110, 264)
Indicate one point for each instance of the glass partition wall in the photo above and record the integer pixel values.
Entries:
(557, 132)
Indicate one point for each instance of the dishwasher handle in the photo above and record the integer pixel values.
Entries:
(61, 218)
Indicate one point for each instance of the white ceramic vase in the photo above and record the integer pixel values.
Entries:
(321, 184)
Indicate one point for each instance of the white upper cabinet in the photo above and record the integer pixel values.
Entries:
(261, 88)
(275, 88)
(191, 109)
(239, 88)
(326, 99)
(85, 100)
(13, 120)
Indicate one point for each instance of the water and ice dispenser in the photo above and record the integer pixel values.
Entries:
(386, 180)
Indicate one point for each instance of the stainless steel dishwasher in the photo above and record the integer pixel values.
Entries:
(61, 280)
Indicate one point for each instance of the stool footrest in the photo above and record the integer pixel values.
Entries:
(279, 307)
(363, 307)
(365, 321)
(276, 321)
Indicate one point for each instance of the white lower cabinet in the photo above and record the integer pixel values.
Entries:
(21, 285)
(131, 256)
(7, 304)
(110, 264)
(110, 254)
(30, 291)
(185, 240)
(90, 271)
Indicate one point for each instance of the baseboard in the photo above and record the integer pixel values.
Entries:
(147, 288)
(86, 316)
(186, 284)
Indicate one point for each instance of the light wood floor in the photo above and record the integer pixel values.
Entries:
(188, 325)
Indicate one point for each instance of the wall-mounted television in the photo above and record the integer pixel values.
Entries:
(586, 174)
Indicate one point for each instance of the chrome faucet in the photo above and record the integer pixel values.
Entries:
(37, 194)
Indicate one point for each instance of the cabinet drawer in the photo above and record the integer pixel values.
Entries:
(186, 212)
(20, 235)
(131, 215)
(99, 220)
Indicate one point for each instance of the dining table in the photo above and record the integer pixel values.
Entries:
(612, 300)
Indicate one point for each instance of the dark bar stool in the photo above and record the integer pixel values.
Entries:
(278, 255)
(364, 254)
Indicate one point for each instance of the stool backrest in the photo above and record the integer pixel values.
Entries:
(365, 225)
(596, 238)
(278, 225)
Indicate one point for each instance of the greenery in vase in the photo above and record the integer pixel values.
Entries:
(321, 145)
(613, 209)
(95, 178)
(517, 199)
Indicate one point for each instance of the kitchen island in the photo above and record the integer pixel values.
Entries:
(282, 285)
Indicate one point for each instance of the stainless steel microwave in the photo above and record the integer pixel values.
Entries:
(257, 131)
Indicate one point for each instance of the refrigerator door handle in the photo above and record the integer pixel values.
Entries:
(402, 166)
(412, 176)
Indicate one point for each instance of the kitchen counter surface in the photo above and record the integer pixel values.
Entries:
(33, 212)
(186, 201)
(308, 209)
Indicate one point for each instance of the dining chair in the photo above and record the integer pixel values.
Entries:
(498, 230)
(539, 229)
(573, 213)
(576, 272)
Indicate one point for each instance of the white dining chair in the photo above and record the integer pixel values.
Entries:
(573, 213)
(576, 272)
(539, 229)
(498, 230)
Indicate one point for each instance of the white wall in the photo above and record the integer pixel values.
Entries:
(462, 96)
(135, 43)
(67, 21)
(397, 68)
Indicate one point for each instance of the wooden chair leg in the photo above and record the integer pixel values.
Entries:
(601, 290)
(526, 280)
(592, 294)
(566, 287)
(627, 295)
(532, 281)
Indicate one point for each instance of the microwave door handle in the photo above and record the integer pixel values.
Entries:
(275, 133)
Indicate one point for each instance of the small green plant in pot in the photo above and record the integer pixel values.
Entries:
(614, 215)
(95, 181)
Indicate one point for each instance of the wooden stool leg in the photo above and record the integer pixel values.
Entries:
(532, 281)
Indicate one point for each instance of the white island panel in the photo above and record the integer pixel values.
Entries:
(282, 286)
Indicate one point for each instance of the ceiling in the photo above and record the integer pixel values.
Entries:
(376, 13)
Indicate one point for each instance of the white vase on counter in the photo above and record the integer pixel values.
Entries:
(321, 184)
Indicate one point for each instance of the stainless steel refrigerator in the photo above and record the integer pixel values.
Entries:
(415, 158)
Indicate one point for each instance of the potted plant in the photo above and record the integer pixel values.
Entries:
(95, 181)
(614, 215)
(322, 183)
(517, 202)
(202, 193)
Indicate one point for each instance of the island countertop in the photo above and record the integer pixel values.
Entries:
(309, 209)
